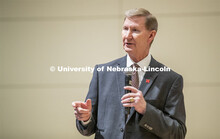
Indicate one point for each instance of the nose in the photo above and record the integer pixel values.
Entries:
(128, 34)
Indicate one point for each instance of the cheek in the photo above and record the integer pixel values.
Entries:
(141, 43)
(142, 39)
(123, 33)
(137, 39)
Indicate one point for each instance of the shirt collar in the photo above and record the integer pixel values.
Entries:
(144, 63)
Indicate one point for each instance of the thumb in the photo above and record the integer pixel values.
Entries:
(89, 104)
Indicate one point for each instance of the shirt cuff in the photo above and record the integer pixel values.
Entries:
(87, 122)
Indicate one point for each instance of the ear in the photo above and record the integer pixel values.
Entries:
(151, 36)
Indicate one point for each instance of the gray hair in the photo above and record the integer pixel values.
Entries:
(151, 21)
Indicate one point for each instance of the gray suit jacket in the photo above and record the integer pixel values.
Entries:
(165, 112)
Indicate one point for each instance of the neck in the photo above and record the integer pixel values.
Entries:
(138, 59)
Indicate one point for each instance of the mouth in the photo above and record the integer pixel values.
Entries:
(128, 44)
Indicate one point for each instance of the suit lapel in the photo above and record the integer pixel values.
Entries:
(146, 83)
(120, 77)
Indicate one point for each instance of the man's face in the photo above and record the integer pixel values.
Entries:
(136, 38)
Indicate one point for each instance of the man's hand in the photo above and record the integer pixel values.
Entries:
(82, 110)
(136, 96)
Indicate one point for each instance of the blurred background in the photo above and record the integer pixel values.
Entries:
(35, 103)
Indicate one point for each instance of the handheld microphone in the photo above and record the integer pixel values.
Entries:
(128, 82)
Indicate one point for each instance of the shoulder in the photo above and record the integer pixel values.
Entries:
(121, 60)
(165, 71)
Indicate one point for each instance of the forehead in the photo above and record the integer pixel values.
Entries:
(136, 21)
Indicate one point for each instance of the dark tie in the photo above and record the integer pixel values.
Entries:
(135, 78)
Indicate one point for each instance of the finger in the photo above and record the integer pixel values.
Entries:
(128, 100)
(81, 110)
(89, 104)
(128, 95)
(82, 115)
(76, 104)
(76, 112)
(129, 104)
(85, 104)
(131, 88)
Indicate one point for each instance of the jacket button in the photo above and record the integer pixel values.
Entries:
(122, 130)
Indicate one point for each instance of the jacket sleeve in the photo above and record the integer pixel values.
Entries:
(169, 123)
(90, 128)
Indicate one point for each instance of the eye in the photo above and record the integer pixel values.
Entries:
(125, 28)
(135, 30)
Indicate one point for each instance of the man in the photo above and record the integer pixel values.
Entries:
(156, 100)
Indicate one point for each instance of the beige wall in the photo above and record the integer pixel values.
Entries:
(36, 34)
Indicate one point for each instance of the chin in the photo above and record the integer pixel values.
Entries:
(129, 52)
(128, 49)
